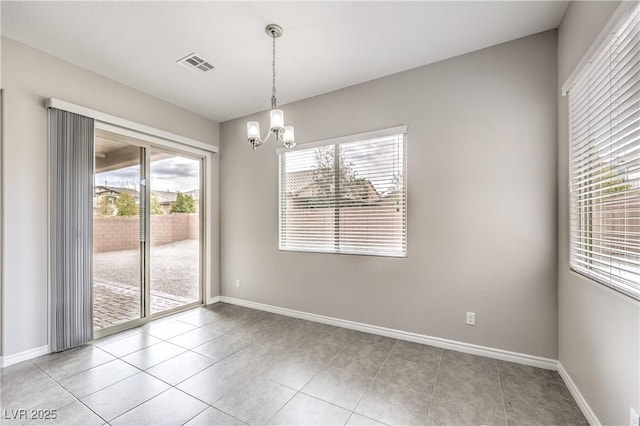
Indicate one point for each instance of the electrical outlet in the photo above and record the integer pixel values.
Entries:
(471, 318)
(634, 419)
(237, 283)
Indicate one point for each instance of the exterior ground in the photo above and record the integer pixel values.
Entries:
(174, 281)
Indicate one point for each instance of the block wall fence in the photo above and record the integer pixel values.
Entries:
(123, 233)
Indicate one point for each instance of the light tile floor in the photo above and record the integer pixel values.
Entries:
(227, 365)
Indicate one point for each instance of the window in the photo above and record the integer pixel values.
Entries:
(604, 116)
(346, 195)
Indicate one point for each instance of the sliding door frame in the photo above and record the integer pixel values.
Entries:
(202, 216)
(149, 142)
(184, 146)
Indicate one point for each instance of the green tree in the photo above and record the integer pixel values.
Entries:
(609, 180)
(126, 204)
(394, 195)
(155, 205)
(352, 189)
(324, 174)
(184, 204)
(105, 208)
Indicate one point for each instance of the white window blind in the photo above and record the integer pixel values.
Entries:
(604, 114)
(345, 197)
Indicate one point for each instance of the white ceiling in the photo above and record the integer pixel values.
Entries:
(325, 46)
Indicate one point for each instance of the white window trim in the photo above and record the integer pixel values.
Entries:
(350, 138)
(160, 136)
(600, 43)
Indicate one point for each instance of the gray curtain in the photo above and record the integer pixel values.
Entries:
(71, 236)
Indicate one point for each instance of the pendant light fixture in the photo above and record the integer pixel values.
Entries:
(283, 134)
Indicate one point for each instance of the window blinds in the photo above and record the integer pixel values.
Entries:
(604, 119)
(345, 197)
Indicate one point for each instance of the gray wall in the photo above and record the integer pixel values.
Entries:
(599, 329)
(481, 206)
(29, 77)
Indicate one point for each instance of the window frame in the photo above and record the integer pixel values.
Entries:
(359, 137)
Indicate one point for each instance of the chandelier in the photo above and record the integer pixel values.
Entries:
(283, 134)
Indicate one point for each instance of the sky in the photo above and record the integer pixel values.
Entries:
(172, 174)
(182, 174)
(376, 160)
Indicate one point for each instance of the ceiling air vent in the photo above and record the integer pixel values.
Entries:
(195, 63)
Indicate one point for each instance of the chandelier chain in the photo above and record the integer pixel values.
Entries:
(273, 69)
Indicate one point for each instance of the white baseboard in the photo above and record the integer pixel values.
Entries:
(577, 395)
(212, 300)
(8, 360)
(532, 360)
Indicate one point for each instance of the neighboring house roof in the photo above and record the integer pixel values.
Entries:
(103, 189)
(168, 197)
(195, 193)
(165, 197)
(302, 185)
(297, 181)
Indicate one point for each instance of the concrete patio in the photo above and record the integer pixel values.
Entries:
(174, 281)
(114, 304)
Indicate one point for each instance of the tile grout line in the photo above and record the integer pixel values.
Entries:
(222, 411)
(170, 385)
(143, 402)
(325, 401)
(302, 387)
(114, 383)
(283, 405)
(435, 383)
(140, 370)
(197, 414)
(348, 418)
(66, 390)
(144, 370)
(173, 386)
(504, 405)
(375, 376)
(325, 366)
(233, 388)
(94, 346)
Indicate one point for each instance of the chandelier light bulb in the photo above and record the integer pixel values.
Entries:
(289, 135)
(253, 130)
(277, 119)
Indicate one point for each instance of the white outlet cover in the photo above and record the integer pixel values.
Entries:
(471, 318)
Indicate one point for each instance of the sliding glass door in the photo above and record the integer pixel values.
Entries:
(175, 230)
(118, 224)
(147, 251)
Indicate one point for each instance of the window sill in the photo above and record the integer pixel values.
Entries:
(624, 290)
